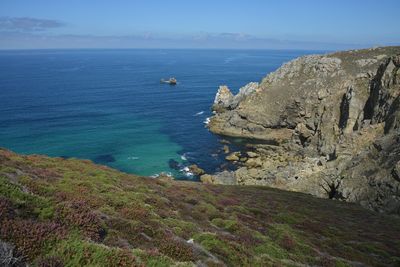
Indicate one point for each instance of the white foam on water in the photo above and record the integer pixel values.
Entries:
(169, 174)
(199, 113)
(207, 121)
(133, 158)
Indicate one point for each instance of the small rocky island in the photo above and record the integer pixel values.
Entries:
(328, 125)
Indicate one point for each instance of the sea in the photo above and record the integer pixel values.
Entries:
(109, 106)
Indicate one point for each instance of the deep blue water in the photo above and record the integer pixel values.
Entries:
(109, 106)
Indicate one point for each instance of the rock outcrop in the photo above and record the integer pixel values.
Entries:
(329, 125)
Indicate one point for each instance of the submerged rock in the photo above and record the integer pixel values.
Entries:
(104, 159)
(335, 123)
(173, 164)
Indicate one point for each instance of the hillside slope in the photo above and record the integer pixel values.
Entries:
(69, 212)
(329, 125)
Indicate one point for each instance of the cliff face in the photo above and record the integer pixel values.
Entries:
(333, 121)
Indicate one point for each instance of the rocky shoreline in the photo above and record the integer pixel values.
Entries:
(328, 125)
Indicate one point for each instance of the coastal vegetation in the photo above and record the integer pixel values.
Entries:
(70, 212)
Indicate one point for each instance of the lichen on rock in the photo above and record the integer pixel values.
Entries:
(334, 117)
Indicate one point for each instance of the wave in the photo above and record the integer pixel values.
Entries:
(207, 121)
(133, 158)
(161, 173)
(199, 113)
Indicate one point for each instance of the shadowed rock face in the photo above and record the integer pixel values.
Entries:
(336, 119)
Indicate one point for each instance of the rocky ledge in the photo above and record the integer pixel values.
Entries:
(329, 126)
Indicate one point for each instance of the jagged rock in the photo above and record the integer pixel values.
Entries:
(396, 171)
(245, 91)
(251, 154)
(223, 99)
(235, 156)
(254, 163)
(226, 149)
(196, 170)
(225, 177)
(207, 179)
(326, 116)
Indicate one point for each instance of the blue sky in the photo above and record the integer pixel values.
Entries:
(307, 24)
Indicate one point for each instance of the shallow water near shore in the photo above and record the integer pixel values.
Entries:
(110, 107)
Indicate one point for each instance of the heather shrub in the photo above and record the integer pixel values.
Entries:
(229, 225)
(78, 214)
(5, 208)
(228, 202)
(176, 249)
(287, 243)
(82, 253)
(30, 237)
(135, 212)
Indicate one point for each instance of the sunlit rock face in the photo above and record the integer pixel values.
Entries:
(334, 120)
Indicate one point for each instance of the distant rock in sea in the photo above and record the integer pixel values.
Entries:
(103, 159)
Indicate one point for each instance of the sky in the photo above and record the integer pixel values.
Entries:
(236, 24)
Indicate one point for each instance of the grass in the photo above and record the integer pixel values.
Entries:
(69, 212)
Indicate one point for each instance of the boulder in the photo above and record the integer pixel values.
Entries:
(226, 149)
(251, 154)
(207, 179)
(235, 156)
(254, 162)
(196, 170)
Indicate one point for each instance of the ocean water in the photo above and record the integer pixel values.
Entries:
(110, 107)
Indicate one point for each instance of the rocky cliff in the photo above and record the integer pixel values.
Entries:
(327, 124)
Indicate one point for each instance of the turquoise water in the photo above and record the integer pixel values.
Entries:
(109, 106)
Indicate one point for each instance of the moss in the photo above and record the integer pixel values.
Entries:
(372, 249)
(229, 252)
(229, 225)
(339, 263)
(181, 228)
(75, 252)
(31, 204)
(272, 250)
(287, 218)
(205, 210)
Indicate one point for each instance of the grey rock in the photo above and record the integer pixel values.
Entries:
(396, 171)
(225, 177)
(235, 156)
(332, 123)
(251, 154)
